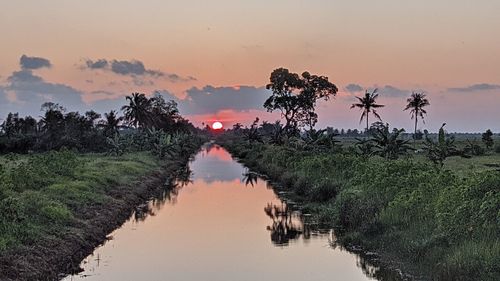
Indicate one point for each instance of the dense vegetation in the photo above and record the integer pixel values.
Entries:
(58, 129)
(409, 202)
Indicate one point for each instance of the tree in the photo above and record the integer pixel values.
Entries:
(237, 126)
(252, 134)
(296, 96)
(111, 123)
(387, 144)
(488, 139)
(138, 111)
(438, 151)
(368, 104)
(164, 114)
(416, 104)
(15, 125)
(52, 124)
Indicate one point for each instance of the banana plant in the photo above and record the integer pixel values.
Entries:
(438, 151)
(115, 146)
(165, 146)
(389, 144)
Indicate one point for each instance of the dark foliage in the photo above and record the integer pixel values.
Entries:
(295, 96)
(58, 129)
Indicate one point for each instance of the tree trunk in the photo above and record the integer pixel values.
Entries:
(415, 134)
(367, 113)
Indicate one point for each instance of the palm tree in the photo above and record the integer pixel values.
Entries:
(138, 111)
(417, 102)
(111, 123)
(368, 104)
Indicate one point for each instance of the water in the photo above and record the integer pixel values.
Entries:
(220, 226)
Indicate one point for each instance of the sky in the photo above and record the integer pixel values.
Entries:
(215, 57)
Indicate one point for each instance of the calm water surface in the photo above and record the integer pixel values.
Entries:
(221, 225)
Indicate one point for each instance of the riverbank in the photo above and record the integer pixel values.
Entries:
(57, 207)
(442, 224)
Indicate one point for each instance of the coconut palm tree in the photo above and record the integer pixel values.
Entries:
(416, 104)
(111, 123)
(138, 111)
(368, 104)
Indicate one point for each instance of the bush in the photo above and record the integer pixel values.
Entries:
(324, 191)
(497, 149)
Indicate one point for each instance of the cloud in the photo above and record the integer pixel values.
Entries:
(23, 76)
(98, 64)
(476, 87)
(386, 91)
(391, 91)
(33, 62)
(133, 68)
(30, 91)
(102, 92)
(353, 88)
(212, 99)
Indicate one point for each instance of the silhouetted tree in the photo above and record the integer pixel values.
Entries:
(368, 105)
(111, 123)
(138, 111)
(52, 124)
(487, 138)
(416, 104)
(164, 114)
(296, 96)
(237, 126)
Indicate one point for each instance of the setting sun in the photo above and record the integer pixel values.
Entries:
(217, 125)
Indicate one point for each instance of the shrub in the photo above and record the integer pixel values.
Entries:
(497, 149)
(324, 191)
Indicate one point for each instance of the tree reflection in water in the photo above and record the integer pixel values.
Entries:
(250, 178)
(286, 224)
(168, 194)
(289, 224)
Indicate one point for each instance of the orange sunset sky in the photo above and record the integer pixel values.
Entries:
(214, 57)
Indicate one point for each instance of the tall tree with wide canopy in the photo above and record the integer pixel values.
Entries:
(295, 96)
(416, 104)
(368, 104)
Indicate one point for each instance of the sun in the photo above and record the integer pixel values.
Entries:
(217, 125)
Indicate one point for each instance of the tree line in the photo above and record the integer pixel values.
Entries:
(89, 132)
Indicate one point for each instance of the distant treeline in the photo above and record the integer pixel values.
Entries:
(91, 131)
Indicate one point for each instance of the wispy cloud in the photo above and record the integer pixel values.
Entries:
(476, 87)
(386, 91)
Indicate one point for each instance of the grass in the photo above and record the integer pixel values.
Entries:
(43, 194)
(446, 221)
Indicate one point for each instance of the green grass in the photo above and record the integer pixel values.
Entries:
(43, 194)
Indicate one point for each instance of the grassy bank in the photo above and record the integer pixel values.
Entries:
(42, 194)
(55, 207)
(445, 223)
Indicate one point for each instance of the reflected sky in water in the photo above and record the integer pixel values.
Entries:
(217, 228)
